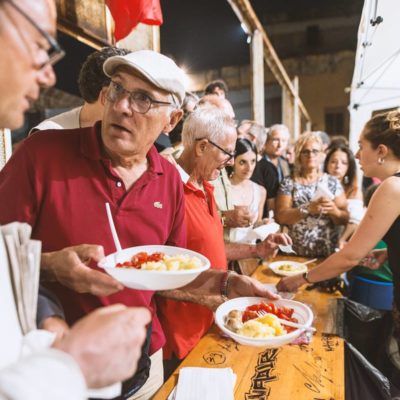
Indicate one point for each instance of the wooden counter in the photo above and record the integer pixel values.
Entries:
(301, 372)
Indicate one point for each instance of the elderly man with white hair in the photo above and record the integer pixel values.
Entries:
(209, 138)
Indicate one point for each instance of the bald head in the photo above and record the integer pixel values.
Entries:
(219, 102)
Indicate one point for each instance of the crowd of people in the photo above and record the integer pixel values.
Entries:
(176, 170)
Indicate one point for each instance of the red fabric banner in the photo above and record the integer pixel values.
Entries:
(128, 13)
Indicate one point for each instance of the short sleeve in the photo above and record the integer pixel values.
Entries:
(286, 187)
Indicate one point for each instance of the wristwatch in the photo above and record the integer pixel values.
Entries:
(305, 277)
(304, 209)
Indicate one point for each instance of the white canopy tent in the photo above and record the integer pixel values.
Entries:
(376, 80)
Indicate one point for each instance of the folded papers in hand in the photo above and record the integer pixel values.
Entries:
(322, 191)
(250, 235)
(204, 384)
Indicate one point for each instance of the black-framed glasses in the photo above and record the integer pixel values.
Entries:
(138, 101)
(230, 155)
(54, 53)
(308, 153)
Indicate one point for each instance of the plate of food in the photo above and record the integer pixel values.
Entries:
(287, 268)
(255, 321)
(155, 267)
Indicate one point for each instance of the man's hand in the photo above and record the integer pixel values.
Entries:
(245, 286)
(269, 247)
(56, 325)
(69, 267)
(107, 343)
(238, 218)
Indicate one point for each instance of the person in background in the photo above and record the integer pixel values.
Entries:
(340, 162)
(246, 193)
(379, 156)
(254, 132)
(91, 83)
(314, 224)
(275, 149)
(325, 139)
(209, 137)
(236, 217)
(338, 140)
(64, 370)
(273, 167)
(218, 87)
(290, 156)
(189, 104)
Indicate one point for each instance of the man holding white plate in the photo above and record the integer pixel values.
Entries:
(59, 183)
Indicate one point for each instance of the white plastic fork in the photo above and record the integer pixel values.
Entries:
(262, 313)
(286, 248)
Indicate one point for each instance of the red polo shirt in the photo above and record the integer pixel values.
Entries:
(58, 182)
(183, 323)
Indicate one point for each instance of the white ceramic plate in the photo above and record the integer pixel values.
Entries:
(297, 268)
(152, 280)
(302, 312)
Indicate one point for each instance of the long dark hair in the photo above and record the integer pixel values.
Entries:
(242, 146)
(349, 181)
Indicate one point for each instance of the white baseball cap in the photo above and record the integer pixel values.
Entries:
(158, 69)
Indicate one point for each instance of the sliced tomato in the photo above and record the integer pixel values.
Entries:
(156, 256)
(138, 259)
(247, 315)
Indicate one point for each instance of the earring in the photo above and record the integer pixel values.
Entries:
(381, 160)
(346, 180)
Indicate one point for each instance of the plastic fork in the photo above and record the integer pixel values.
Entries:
(262, 313)
(286, 248)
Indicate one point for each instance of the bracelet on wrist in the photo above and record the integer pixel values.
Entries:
(304, 209)
(224, 285)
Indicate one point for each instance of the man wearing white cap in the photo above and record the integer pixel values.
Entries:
(59, 182)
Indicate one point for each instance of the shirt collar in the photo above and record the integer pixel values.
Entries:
(184, 175)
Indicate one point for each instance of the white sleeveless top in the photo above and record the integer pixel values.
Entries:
(237, 235)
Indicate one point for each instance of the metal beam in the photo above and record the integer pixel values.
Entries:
(246, 15)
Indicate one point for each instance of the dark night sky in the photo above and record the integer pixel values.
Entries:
(204, 34)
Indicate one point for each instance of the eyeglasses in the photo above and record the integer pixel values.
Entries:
(54, 53)
(308, 153)
(138, 101)
(230, 155)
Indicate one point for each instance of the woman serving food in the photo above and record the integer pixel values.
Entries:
(379, 156)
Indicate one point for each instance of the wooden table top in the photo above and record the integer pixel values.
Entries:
(302, 372)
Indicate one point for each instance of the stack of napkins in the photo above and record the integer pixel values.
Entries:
(204, 384)
(24, 262)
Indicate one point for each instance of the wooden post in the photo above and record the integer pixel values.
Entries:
(287, 111)
(296, 113)
(257, 61)
(143, 37)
